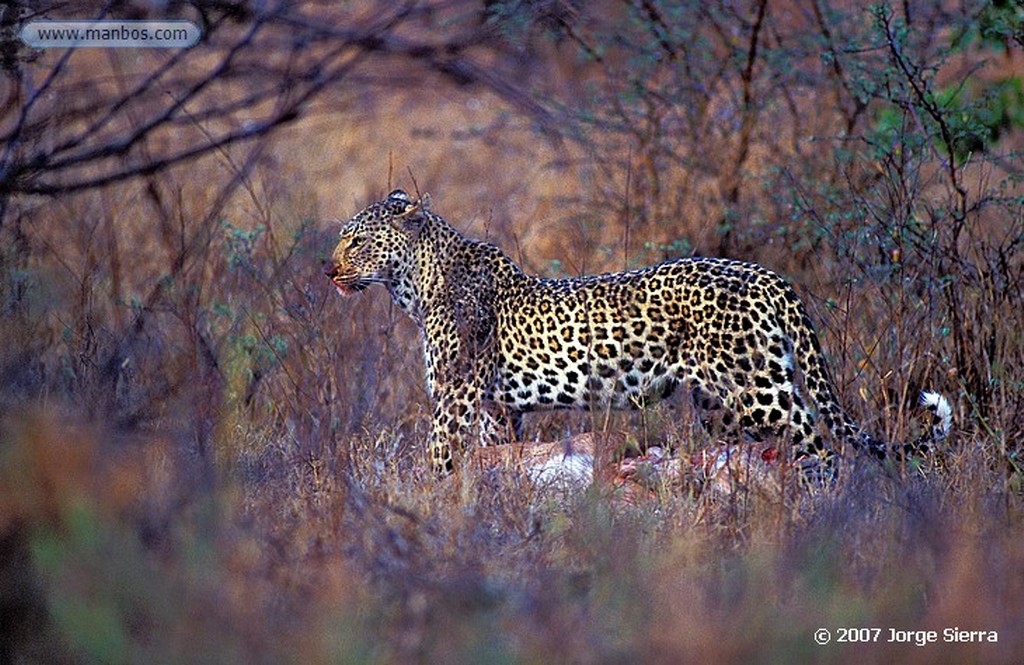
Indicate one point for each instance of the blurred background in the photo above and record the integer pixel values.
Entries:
(205, 454)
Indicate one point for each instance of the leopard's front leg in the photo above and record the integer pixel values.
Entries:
(460, 421)
(459, 339)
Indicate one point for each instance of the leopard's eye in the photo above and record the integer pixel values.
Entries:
(355, 242)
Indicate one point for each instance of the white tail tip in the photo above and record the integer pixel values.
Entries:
(942, 413)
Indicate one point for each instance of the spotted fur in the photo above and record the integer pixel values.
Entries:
(499, 343)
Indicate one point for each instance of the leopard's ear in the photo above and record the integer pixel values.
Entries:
(412, 216)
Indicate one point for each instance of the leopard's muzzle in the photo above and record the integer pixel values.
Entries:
(346, 283)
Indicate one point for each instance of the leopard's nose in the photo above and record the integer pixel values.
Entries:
(332, 273)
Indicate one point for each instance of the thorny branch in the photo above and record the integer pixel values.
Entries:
(927, 102)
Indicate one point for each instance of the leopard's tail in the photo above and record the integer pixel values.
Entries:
(940, 416)
(842, 426)
(937, 421)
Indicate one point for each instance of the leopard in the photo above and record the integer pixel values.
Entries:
(499, 343)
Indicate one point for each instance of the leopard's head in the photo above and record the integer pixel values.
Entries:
(377, 243)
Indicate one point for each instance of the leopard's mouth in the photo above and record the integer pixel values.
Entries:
(349, 288)
(347, 285)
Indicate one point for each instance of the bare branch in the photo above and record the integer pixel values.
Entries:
(278, 56)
